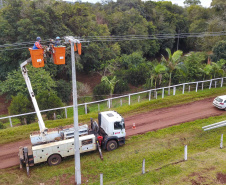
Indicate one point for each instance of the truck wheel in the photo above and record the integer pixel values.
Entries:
(54, 159)
(112, 145)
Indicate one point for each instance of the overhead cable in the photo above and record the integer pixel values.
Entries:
(119, 38)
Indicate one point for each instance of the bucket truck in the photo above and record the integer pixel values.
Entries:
(52, 147)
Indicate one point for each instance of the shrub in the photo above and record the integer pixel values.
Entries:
(101, 90)
(137, 75)
(219, 51)
(121, 86)
(83, 89)
(2, 126)
(20, 104)
(64, 90)
(48, 100)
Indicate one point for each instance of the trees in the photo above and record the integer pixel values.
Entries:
(110, 83)
(217, 68)
(63, 89)
(20, 104)
(47, 100)
(218, 4)
(194, 62)
(133, 67)
(219, 51)
(192, 2)
(155, 75)
(15, 84)
(172, 62)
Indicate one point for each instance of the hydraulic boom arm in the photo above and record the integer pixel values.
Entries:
(24, 70)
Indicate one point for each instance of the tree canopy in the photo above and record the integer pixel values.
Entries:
(130, 61)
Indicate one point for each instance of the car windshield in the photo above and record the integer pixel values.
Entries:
(219, 99)
(119, 125)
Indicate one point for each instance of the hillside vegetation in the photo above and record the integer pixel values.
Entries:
(144, 63)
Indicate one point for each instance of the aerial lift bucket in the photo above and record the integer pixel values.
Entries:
(78, 48)
(59, 55)
(79, 45)
(37, 57)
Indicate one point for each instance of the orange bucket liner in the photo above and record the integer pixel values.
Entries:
(59, 55)
(37, 57)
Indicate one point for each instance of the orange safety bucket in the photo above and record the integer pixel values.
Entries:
(37, 57)
(79, 48)
(59, 55)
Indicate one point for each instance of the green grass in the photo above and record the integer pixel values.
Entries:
(22, 132)
(162, 150)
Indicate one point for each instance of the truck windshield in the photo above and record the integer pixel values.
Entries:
(119, 125)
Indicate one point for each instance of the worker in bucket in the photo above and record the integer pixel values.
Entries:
(57, 42)
(37, 44)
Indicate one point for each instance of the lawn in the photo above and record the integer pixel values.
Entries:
(163, 151)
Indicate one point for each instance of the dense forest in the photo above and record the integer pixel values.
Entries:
(147, 63)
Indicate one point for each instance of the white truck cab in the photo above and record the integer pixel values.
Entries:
(112, 128)
(112, 123)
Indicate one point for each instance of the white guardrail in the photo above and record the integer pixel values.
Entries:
(109, 100)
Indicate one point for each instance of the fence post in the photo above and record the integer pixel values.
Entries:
(210, 84)
(101, 179)
(121, 102)
(10, 121)
(138, 99)
(54, 116)
(215, 84)
(156, 95)
(174, 90)
(109, 103)
(129, 99)
(197, 84)
(85, 108)
(202, 86)
(183, 88)
(149, 95)
(143, 166)
(221, 145)
(65, 112)
(162, 92)
(189, 88)
(185, 152)
(168, 90)
(98, 107)
(222, 79)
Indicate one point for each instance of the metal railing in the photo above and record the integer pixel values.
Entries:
(212, 83)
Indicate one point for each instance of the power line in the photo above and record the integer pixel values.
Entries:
(120, 38)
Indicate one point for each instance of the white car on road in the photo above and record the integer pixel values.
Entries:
(220, 102)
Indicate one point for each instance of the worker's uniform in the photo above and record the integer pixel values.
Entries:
(57, 43)
(37, 45)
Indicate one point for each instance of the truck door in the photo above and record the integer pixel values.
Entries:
(119, 129)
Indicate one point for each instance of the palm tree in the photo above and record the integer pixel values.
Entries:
(111, 83)
(172, 63)
(156, 74)
(217, 67)
(206, 70)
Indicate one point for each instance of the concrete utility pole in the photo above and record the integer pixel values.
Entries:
(75, 111)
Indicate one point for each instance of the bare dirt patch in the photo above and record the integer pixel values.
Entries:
(91, 80)
(198, 178)
(221, 178)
